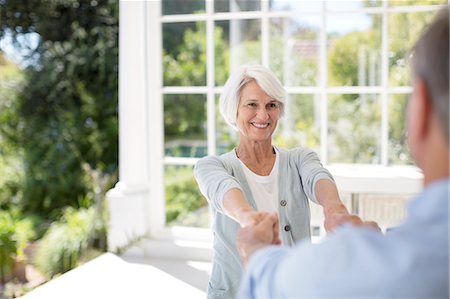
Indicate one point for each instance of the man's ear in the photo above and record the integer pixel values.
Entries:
(422, 110)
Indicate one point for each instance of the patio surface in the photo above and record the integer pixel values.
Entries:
(110, 276)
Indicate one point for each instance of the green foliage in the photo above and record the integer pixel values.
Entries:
(186, 64)
(68, 239)
(66, 113)
(184, 116)
(15, 233)
(11, 167)
(402, 41)
(8, 245)
(342, 58)
(354, 129)
(182, 194)
(398, 149)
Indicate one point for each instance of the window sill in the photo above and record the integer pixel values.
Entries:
(362, 178)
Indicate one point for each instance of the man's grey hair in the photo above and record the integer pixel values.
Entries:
(430, 62)
(231, 94)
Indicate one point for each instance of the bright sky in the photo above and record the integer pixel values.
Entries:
(15, 55)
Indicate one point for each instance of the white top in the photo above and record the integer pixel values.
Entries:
(264, 188)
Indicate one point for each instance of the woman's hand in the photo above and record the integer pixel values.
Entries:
(258, 235)
(338, 215)
(250, 217)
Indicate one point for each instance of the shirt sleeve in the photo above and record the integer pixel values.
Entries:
(311, 171)
(352, 263)
(214, 180)
(260, 280)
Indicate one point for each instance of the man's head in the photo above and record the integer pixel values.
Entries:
(428, 117)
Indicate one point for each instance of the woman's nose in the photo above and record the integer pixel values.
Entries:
(262, 113)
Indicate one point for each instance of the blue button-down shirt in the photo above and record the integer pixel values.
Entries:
(411, 261)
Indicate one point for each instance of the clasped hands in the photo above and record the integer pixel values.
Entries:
(261, 229)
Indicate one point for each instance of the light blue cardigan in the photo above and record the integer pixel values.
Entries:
(299, 170)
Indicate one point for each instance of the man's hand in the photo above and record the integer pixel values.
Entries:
(258, 235)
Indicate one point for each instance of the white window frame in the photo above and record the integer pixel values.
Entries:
(137, 206)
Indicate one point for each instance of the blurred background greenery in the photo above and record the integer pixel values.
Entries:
(58, 133)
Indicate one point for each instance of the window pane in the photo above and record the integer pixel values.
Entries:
(398, 142)
(294, 49)
(184, 50)
(185, 205)
(237, 42)
(236, 5)
(401, 42)
(354, 128)
(185, 125)
(354, 45)
(172, 7)
(298, 6)
(300, 125)
(226, 137)
(415, 2)
(351, 5)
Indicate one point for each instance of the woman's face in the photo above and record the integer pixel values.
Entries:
(258, 113)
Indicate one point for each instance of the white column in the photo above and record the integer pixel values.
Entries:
(127, 200)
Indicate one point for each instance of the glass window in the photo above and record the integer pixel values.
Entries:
(300, 125)
(172, 7)
(334, 72)
(415, 2)
(402, 41)
(185, 125)
(226, 137)
(297, 6)
(354, 49)
(354, 128)
(184, 54)
(351, 5)
(398, 143)
(294, 49)
(237, 42)
(185, 205)
(236, 5)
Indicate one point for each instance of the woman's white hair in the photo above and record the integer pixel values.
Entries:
(230, 97)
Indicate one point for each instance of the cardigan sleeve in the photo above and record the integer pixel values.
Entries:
(311, 171)
(214, 180)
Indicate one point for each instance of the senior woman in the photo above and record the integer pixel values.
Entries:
(257, 178)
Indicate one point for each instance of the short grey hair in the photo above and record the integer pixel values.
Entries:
(430, 62)
(231, 94)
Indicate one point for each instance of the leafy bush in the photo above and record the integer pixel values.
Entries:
(15, 232)
(65, 242)
(182, 193)
(8, 245)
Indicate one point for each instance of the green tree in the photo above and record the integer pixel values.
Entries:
(11, 166)
(68, 105)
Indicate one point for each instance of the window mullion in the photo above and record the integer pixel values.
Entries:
(265, 33)
(384, 85)
(322, 85)
(210, 67)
